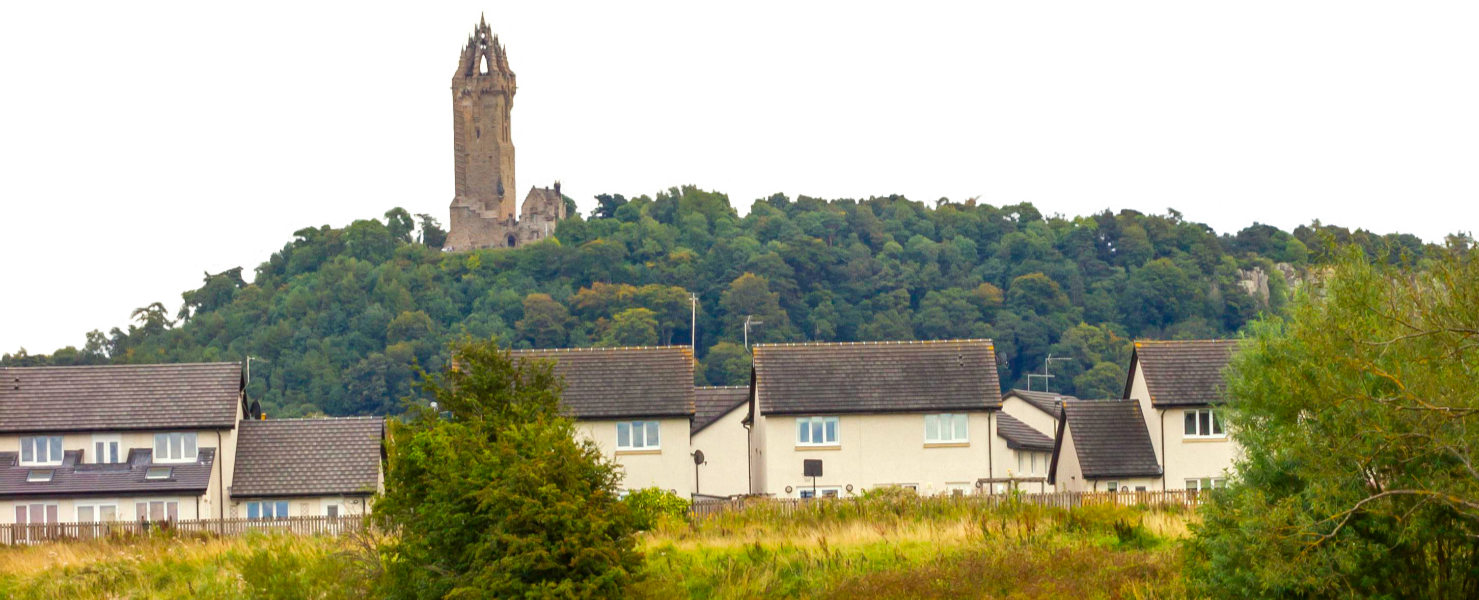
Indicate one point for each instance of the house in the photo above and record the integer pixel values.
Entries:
(920, 415)
(119, 442)
(307, 467)
(636, 404)
(1179, 387)
(1103, 445)
(1039, 413)
(719, 432)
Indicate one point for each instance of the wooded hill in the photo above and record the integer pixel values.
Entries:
(339, 318)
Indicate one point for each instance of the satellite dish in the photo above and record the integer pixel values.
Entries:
(698, 457)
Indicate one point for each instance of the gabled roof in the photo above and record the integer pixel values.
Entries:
(876, 377)
(1047, 402)
(712, 403)
(75, 478)
(1021, 436)
(120, 397)
(308, 457)
(1182, 373)
(1110, 439)
(618, 383)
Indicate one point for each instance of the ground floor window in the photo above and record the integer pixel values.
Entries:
(959, 488)
(820, 492)
(157, 511)
(267, 510)
(35, 514)
(331, 509)
(1113, 486)
(97, 513)
(1205, 483)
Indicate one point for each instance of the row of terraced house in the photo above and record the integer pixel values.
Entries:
(183, 441)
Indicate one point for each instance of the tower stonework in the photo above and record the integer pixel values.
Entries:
(484, 212)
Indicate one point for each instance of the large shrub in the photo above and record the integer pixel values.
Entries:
(1357, 420)
(495, 498)
(650, 507)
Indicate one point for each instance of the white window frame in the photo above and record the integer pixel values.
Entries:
(188, 449)
(959, 488)
(338, 505)
(285, 505)
(1112, 486)
(960, 425)
(96, 507)
(823, 491)
(148, 506)
(648, 431)
(1205, 483)
(1213, 424)
(112, 451)
(46, 445)
(819, 424)
(29, 517)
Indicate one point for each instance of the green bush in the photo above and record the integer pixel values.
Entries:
(651, 507)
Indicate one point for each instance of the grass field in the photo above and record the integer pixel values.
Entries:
(888, 548)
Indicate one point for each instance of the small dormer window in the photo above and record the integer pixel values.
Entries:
(174, 447)
(40, 475)
(158, 473)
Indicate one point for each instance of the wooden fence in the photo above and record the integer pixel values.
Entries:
(48, 532)
(1183, 499)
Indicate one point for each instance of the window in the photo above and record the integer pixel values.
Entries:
(1203, 423)
(174, 447)
(97, 513)
(821, 492)
(157, 511)
(41, 450)
(816, 431)
(637, 435)
(946, 428)
(35, 514)
(40, 475)
(959, 488)
(331, 509)
(1139, 488)
(105, 449)
(1205, 483)
(1113, 486)
(157, 473)
(267, 510)
(1031, 464)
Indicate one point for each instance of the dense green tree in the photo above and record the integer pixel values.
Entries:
(727, 364)
(544, 323)
(492, 496)
(1355, 415)
(632, 327)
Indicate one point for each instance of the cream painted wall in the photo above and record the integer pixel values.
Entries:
(1069, 476)
(759, 482)
(878, 450)
(1043, 422)
(67, 507)
(726, 446)
(1194, 458)
(670, 468)
(214, 498)
(1181, 458)
(307, 506)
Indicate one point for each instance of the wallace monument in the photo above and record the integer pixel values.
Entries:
(484, 212)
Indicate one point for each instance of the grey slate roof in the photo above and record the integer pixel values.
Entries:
(1182, 373)
(72, 478)
(1021, 436)
(712, 403)
(876, 377)
(1110, 439)
(308, 457)
(120, 397)
(618, 383)
(1047, 402)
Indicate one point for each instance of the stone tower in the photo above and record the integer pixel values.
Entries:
(484, 210)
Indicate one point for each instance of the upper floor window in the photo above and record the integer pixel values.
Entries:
(816, 431)
(174, 447)
(1203, 423)
(105, 449)
(41, 450)
(946, 428)
(637, 435)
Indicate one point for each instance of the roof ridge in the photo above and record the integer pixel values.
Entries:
(129, 365)
(603, 348)
(352, 418)
(875, 343)
(1198, 341)
(721, 387)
